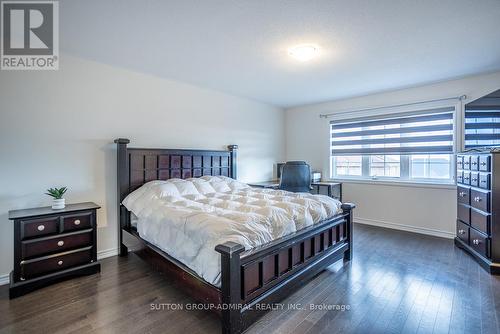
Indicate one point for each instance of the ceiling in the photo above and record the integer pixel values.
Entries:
(240, 47)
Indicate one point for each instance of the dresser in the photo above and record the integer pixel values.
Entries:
(52, 245)
(478, 207)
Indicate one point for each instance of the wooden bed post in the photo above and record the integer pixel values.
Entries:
(233, 149)
(123, 189)
(347, 209)
(231, 286)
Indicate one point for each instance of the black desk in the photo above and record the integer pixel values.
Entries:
(332, 189)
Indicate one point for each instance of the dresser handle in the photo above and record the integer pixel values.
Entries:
(474, 163)
(59, 263)
(41, 227)
(461, 194)
(60, 243)
(474, 179)
(77, 222)
(461, 232)
(475, 242)
(477, 199)
(483, 163)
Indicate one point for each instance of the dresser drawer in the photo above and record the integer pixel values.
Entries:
(474, 179)
(466, 163)
(480, 200)
(479, 242)
(460, 176)
(467, 178)
(39, 227)
(474, 162)
(54, 244)
(460, 161)
(463, 232)
(485, 163)
(480, 221)
(484, 181)
(463, 213)
(45, 265)
(463, 195)
(77, 222)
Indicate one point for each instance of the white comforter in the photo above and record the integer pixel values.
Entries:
(188, 218)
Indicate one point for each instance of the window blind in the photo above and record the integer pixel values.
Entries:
(423, 132)
(482, 126)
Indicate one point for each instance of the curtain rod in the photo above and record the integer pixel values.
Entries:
(460, 98)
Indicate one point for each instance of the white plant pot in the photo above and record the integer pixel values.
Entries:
(58, 204)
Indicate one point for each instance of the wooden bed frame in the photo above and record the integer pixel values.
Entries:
(249, 279)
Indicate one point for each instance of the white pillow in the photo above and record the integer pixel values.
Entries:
(204, 187)
(167, 189)
(133, 196)
(220, 187)
(186, 188)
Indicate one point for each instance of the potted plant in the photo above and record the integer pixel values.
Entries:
(58, 201)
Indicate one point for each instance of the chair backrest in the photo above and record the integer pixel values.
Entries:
(296, 177)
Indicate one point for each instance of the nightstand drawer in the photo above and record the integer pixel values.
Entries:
(77, 222)
(39, 227)
(45, 265)
(54, 244)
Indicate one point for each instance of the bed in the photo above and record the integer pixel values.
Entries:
(248, 271)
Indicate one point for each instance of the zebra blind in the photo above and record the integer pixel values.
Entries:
(482, 123)
(423, 132)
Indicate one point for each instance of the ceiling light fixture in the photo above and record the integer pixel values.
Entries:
(304, 52)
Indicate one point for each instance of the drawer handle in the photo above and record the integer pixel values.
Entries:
(77, 222)
(477, 199)
(476, 242)
(461, 232)
(59, 263)
(40, 227)
(483, 163)
(483, 181)
(474, 163)
(474, 179)
(461, 194)
(60, 243)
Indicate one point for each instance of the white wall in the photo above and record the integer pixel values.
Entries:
(57, 129)
(421, 209)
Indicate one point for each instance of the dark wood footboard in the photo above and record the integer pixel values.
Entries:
(267, 274)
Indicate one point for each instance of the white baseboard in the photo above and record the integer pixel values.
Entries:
(407, 228)
(5, 279)
(102, 254)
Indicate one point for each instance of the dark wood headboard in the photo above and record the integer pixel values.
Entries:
(137, 166)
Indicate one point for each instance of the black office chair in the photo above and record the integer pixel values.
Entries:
(296, 177)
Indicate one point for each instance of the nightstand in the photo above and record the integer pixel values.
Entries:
(53, 245)
(332, 189)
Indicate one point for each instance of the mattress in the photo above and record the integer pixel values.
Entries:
(188, 218)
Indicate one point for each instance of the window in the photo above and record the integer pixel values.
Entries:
(411, 147)
(385, 165)
(349, 165)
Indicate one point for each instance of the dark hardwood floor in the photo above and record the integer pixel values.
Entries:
(398, 282)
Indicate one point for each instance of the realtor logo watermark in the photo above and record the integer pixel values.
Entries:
(30, 35)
